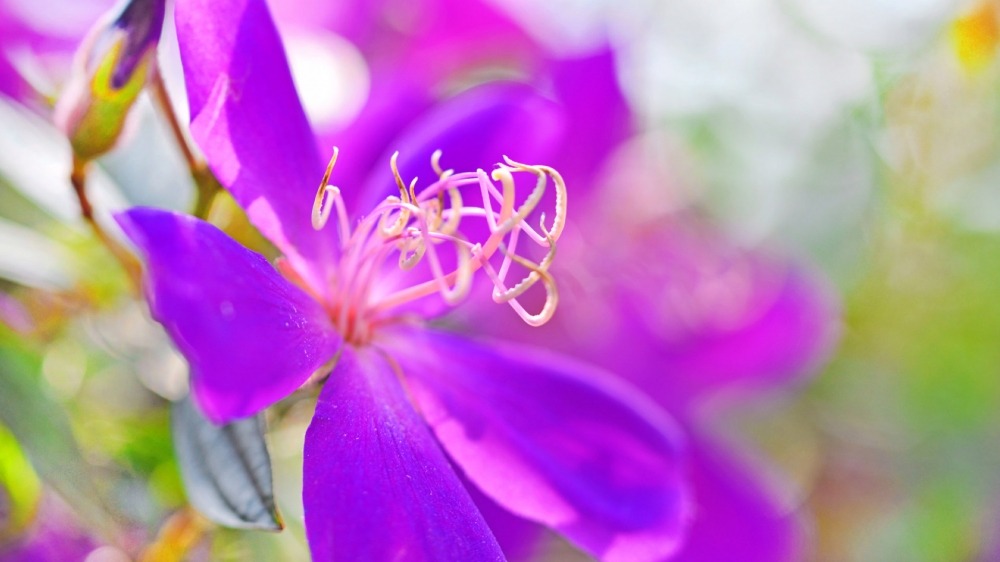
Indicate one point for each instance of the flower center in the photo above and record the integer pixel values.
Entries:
(414, 224)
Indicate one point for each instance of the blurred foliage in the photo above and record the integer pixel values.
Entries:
(910, 405)
(20, 487)
(42, 427)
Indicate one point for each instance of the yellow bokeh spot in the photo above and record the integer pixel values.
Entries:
(975, 37)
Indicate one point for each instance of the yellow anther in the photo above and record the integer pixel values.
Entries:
(325, 196)
(403, 195)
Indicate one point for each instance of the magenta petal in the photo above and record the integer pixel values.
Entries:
(246, 117)
(788, 327)
(250, 336)
(474, 129)
(519, 539)
(376, 485)
(734, 518)
(12, 84)
(553, 441)
(395, 100)
(54, 536)
(599, 117)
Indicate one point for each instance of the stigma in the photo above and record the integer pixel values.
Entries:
(414, 226)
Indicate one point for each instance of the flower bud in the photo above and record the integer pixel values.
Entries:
(110, 69)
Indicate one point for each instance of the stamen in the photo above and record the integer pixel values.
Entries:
(403, 195)
(414, 224)
(507, 295)
(529, 205)
(406, 262)
(559, 223)
(329, 195)
(321, 207)
(436, 162)
(455, 216)
(436, 165)
(551, 293)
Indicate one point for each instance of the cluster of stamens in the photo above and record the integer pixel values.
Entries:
(413, 225)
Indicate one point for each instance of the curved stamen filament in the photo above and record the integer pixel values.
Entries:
(559, 222)
(506, 295)
(413, 224)
(551, 293)
(326, 196)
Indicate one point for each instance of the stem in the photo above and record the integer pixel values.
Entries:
(204, 179)
(78, 177)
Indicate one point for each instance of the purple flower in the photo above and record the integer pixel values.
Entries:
(684, 315)
(111, 68)
(37, 40)
(407, 409)
(55, 536)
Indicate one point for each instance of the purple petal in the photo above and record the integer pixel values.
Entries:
(782, 342)
(680, 314)
(247, 119)
(376, 485)
(518, 538)
(351, 19)
(553, 441)
(55, 536)
(474, 129)
(250, 336)
(598, 117)
(771, 326)
(142, 22)
(393, 103)
(734, 518)
(12, 84)
(410, 69)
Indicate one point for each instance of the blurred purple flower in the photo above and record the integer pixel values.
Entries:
(684, 316)
(678, 311)
(547, 438)
(110, 70)
(37, 43)
(55, 536)
(418, 55)
(14, 315)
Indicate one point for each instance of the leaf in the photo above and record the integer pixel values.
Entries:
(226, 469)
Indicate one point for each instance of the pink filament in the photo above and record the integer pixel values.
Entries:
(412, 225)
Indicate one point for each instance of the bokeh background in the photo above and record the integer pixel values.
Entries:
(858, 139)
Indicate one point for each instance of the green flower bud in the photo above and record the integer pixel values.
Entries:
(111, 68)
